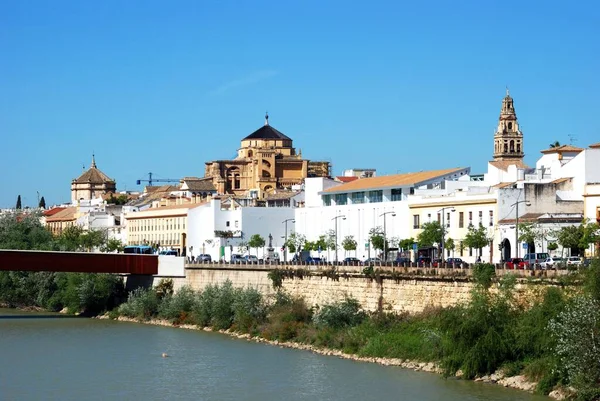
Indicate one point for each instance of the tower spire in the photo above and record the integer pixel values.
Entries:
(508, 138)
(266, 118)
(93, 161)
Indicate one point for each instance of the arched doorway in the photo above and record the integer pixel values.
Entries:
(505, 250)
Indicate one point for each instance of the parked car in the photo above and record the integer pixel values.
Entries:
(204, 257)
(313, 261)
(573, 261)
(437, 262)
(274, 258)
(551, 263)
(513, 263)
(372, 261)
(454, 262)
(403, 261)
(252, 259)
(423, 261)
(168, 252)
(352, 261)
(236, 258)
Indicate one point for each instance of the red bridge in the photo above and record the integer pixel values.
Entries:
(78, 262)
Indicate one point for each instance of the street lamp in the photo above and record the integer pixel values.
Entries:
(452, 209)
(384, 234)
(527, 203)
(285, 243)
(336, 232)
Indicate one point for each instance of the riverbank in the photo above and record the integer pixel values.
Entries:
(518, 382)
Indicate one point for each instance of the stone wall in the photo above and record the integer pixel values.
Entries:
(407, 294)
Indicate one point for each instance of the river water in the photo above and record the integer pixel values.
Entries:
(54, 357)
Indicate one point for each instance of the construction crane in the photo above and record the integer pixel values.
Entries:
(150, 180)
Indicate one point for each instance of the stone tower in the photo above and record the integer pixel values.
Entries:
(508, 138)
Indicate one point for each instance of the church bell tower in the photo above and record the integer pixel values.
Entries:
(508, 138)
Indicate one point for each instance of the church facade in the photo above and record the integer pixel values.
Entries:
(92, 184)
(266, 162)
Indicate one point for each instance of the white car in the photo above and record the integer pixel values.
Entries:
(573, 261)
(550, 262)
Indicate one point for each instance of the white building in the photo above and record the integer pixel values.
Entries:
(221, 216)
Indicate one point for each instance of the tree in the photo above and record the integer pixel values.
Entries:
(529, 233)
(406, 244)
(553, 246)
(477, 238)
(18, 207)
(377, 238)
(579, 237)
(449, 245)
(70, 239)
(555, 144)
(295, 242)
(321, 244)
(349, 243)
(256, 241)
(430, 234)
(92, 239)
(19, 231)
(42, 203)
(113, 245)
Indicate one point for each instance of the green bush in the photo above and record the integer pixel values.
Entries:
(249, 309)
(141, 304)
(177, 307)
(340, 314)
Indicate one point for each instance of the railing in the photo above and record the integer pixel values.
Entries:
(360, 267)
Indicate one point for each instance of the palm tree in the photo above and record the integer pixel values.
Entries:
(555, 144)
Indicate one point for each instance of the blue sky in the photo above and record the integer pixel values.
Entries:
(397, 86)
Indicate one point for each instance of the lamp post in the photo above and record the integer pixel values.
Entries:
(384, 234)
(285, 243)
(335, 219)
(527, 203)
(452, 209)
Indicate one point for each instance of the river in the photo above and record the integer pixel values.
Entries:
(55, 357)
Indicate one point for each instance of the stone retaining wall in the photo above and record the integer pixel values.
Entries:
(400, 294)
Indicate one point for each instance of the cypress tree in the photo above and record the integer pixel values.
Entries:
(42, 203)
(18, 202)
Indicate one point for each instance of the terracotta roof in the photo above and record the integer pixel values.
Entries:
(281, 195)
(503, 185)
(503, 164)
(197, 184)
(396, 180)
(67, 214)
(345, 179)
(526, 218)
(53, 211)
(560, 180)
(94, 176)
(562, 148)
(595, 145)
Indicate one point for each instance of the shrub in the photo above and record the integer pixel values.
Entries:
(249, 309)
(141, 304)
(578, 344)
(340, 314)
(177, 307)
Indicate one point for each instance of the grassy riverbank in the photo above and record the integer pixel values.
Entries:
(553, 341)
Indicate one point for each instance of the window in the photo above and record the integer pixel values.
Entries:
(416, 221)
(429, 217)
(481, 217)
(470, 251)
(341, 199)
(461, 248)
(375, 196)
(412, 190)
(227, 224)
(470, 218)
(491, 218)
(237, 223)
(396, 194)
(447, 219)
(439, 218)
(358, 197)
(461, 220)
(327, 200)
